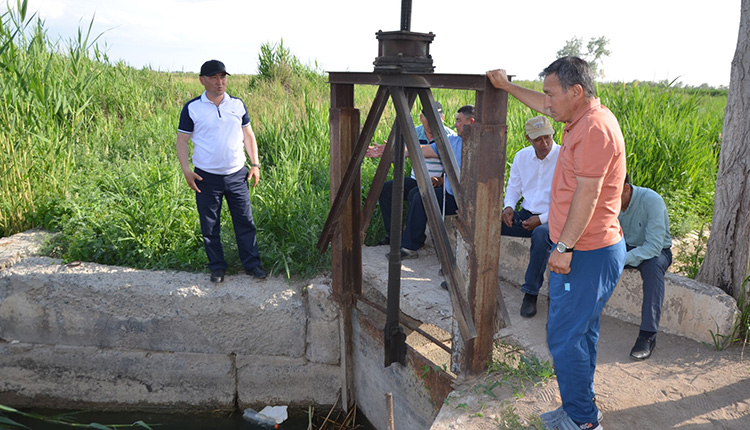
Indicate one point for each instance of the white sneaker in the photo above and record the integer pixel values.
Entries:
(559, 420)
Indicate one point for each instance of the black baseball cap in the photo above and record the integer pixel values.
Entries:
(212, 67)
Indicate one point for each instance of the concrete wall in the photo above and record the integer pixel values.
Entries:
(691, 309)
(87, 334)
(418, 387)
(93, 336)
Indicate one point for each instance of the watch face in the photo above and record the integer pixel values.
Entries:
(561, 248)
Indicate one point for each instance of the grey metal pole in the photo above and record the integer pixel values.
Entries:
(405, 15)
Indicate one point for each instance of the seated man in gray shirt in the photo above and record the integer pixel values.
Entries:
(645, 225)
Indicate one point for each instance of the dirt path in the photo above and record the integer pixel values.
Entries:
(684, 385)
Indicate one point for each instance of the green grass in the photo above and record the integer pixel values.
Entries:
(87, 148)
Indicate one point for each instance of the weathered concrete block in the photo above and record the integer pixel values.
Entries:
(286, 381)
(67, 377)
(418, 389)
(44, 301)
(691, 309)
(323, 325)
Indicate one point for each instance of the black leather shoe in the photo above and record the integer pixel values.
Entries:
(407, 254)
(528, 307)
(257, 272)
(643, 348)
(217, 276)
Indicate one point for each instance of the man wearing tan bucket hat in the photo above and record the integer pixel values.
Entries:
(531, 180)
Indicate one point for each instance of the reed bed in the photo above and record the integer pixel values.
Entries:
(87, 149)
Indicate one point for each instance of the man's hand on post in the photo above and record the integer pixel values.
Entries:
(499, 79)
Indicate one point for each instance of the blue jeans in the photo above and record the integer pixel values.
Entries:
(235, 188)
(539, 252)
(652, 274)
(576, 303)
(416, 220)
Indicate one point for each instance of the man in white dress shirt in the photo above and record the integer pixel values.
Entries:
(531, 179)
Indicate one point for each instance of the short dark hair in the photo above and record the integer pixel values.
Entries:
(467, 110)
(571, 71)
(627, 179)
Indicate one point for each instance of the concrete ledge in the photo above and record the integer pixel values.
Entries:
(44, 301)
(691, 309)
(88, 335)
(14, 248)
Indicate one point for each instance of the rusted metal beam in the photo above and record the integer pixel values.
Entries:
(462, 311)
(346, 253)
(380, 174)
(353, 168)
(428, 80)
(344, 126)
(483, 170)
(395, 338)
(378, 180)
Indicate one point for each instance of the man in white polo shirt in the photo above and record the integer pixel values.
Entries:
(531, 179)
(219, 126)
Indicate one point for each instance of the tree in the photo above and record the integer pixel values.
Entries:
(727, 261)
(596, 49)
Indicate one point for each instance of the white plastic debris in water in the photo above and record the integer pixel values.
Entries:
(277, 413)
(259, 419)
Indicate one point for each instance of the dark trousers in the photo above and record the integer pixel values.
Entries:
(385, 200)
(652, 274)
(541, 247)
(234, 187)
(416, 220)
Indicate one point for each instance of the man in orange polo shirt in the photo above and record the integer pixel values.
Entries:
(590, 252)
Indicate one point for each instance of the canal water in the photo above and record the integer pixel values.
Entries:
(298, 420)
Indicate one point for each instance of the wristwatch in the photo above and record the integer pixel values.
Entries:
(563, 248)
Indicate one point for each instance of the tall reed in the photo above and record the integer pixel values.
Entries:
(43, 102)
(87, 148)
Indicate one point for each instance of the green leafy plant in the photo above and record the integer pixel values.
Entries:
(486, 388)
(512, 366)
(690, 255)
(741, 327)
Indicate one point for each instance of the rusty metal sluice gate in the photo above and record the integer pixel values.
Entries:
(403, 71)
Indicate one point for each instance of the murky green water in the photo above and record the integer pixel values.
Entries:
(298, 420)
